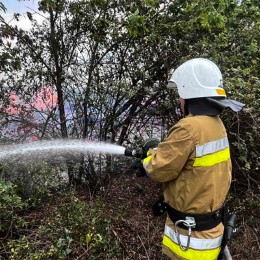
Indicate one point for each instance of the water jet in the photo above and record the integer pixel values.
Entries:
(51, 148)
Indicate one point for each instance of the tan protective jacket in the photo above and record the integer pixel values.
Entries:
(194, 165)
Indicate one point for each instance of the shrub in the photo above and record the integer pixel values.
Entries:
(72, 229)
(10, 204)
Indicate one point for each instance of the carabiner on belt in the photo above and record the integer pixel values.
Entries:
(190, 223)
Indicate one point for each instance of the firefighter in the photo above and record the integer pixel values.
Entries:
(194, 164)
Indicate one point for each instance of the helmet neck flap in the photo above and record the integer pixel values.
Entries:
(201, 106)
(210, 106)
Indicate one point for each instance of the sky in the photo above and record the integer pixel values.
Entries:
(21, 7)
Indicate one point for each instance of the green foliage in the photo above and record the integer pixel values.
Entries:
(33, 181)
(10, 204)
(72, 228)
(136, 24)
(240, 57)
(110, 63)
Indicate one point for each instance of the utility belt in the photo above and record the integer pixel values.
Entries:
(198, 222)
(201, 221)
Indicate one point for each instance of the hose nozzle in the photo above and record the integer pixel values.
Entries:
(133, 153)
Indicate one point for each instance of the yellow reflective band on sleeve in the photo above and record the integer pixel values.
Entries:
(212, 159)
(191, 254)
(146, 160)
(212, 147)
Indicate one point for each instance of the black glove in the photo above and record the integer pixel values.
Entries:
(149, 143)
(159, 207)
(140, 171)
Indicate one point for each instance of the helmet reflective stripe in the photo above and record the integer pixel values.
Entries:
(198, 78)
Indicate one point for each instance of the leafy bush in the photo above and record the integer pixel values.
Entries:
(33, 181)
(243, 129)
(10, 203)
(74, 228)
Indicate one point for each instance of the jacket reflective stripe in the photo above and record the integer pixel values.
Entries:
(212, 159)
(195, 243)
(146, 161)
(212, 147)
(212, 153)
(208, 154)
(148, 158)
(190, 254)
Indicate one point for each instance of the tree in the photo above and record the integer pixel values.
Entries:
(109, 63)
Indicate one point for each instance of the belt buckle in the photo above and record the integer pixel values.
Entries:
(190, 223)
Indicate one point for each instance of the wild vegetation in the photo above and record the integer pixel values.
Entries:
(99, 69)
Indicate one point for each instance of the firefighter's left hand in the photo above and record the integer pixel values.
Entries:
(140, 171)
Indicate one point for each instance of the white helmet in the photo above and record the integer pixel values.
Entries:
(198, 78)
(201, 78)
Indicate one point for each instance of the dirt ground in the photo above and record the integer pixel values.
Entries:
(127, 202)
(139, 232)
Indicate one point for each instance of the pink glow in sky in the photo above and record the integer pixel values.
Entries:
(45, 100)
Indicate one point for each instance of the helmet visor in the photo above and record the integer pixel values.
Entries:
(171, 85)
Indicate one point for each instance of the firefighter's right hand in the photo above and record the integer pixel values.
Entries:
(149, 143)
